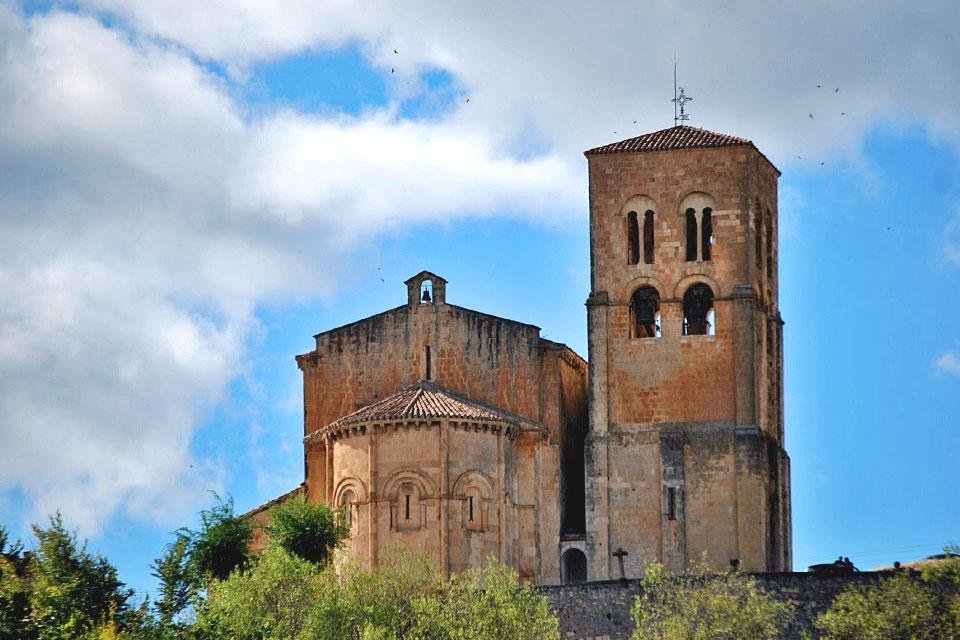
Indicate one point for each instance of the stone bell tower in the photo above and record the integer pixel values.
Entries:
(685, 453)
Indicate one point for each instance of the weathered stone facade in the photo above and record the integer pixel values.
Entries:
(463, 434)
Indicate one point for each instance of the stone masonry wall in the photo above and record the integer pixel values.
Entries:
(601, 610)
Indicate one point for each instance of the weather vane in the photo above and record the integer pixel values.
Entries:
(679, 100)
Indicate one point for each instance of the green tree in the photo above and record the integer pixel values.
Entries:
(220, 545)
(908, 605)
(73, 591)
(897, 607)
(276, 598)
(484, 604)
(703, 606)
(379, 604)
(176, 586)
(312, 531)
(14, 588)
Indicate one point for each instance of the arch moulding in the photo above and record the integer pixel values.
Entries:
(415, 476)
(350, 483)
(639, 203)
(693, 278)
(470, 479)
(697, 200)
(641, 281)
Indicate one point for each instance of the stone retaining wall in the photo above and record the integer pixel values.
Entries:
(601, 610)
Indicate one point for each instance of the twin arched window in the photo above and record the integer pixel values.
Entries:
(633, 237)
(699, 317)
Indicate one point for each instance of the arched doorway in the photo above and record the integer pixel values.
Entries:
(573, 566)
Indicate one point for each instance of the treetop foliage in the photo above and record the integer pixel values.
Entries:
(221, 544)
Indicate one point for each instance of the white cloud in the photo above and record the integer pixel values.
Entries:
(143, 218)
(578, 72)
(949, 362)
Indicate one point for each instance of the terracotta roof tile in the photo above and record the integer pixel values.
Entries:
(681, 137)
(426, 400)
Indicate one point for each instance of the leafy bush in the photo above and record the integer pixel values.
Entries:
(310, 530)
(903, 606)
(702, 606)
(484, 604)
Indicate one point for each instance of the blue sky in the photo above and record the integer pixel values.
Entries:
(188, 194)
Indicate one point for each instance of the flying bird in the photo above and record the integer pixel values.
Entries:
(394, 50)
(818, 86)
(468, 99)
(837, 90)
(811, 115)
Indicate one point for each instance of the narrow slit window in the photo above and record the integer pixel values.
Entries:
(471, 508)
(648, 237)
(407, 507)
(671, 503)
(691, 216)
(427, 360)
(706, 226)
(633, 238)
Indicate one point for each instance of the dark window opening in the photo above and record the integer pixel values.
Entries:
(574, 565)
(645, 311)
(407, 507)
(671, 503)
(471, 508)
(427, 356)
(633, 238)
(706, 226)
(648, 237)
(691, 235)
(698, 311)
(573, 511)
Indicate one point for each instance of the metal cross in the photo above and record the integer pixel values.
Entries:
(681, 100)
(619, 554)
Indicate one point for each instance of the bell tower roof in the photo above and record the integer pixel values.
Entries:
(679, 137)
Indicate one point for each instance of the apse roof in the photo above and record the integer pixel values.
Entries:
(425, 399)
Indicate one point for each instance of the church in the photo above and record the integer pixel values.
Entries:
(466, 435)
